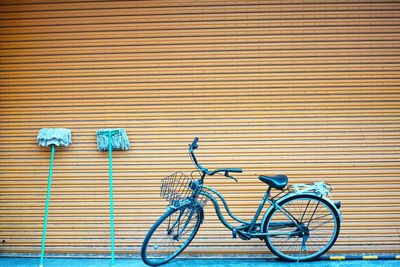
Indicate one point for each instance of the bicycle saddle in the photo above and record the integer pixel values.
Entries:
(278, 181)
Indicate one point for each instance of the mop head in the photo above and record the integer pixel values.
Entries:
(54, 136)
(119, 140)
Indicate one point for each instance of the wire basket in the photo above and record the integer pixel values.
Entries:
(177, 186)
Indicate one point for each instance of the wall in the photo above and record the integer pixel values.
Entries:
(305, 88)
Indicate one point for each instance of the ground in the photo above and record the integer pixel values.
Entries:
(60, 262)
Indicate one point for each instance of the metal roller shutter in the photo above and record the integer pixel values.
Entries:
(305, 88)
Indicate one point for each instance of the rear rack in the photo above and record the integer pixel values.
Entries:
(320, 188)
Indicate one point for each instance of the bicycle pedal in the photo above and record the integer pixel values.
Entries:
(244, 236)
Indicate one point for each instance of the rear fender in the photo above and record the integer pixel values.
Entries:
(279, 201)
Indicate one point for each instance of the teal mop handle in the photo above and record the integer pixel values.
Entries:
(111, 198)
(46, 211)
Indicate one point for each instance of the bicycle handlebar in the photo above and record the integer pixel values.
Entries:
(226, 171)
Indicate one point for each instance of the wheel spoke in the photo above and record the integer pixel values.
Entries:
(170, 235)
(315, 218)
(305, 210)
(321, 224)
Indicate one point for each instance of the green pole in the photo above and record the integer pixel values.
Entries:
(111, 199)
(46, 211)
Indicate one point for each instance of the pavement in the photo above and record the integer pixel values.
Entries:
(80, 262)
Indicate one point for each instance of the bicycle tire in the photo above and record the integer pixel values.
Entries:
(317, 216)
(165, 240)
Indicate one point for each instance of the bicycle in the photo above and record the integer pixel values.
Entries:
(301, 224)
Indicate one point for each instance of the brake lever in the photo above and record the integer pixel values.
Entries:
(227, 175)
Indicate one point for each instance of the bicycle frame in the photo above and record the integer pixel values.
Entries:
(247, 229)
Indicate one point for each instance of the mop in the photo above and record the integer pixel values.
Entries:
(51, 137)
(112, 139)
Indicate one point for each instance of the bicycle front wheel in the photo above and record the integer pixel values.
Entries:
(170, 235)
(302, 229)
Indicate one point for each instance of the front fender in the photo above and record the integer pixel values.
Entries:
(186, 204)
(201, 214)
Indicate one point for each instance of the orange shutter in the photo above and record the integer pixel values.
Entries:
(304, 88)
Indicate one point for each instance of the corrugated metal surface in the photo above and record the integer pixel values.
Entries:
(305, 88)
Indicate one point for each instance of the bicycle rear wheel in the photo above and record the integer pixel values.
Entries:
(170, 235)
(315, 232)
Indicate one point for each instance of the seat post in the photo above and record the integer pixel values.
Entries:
(268, 193)
(259, 209)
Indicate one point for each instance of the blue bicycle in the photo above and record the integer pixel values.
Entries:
(301, 224)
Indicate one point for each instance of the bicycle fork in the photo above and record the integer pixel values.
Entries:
(177, 224)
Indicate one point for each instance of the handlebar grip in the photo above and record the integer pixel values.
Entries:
(194, 143)
(235, 170)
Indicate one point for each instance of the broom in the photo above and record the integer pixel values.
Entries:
(112, 139)
(51, 137)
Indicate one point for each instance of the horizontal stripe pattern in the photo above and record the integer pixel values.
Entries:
(305, 88)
